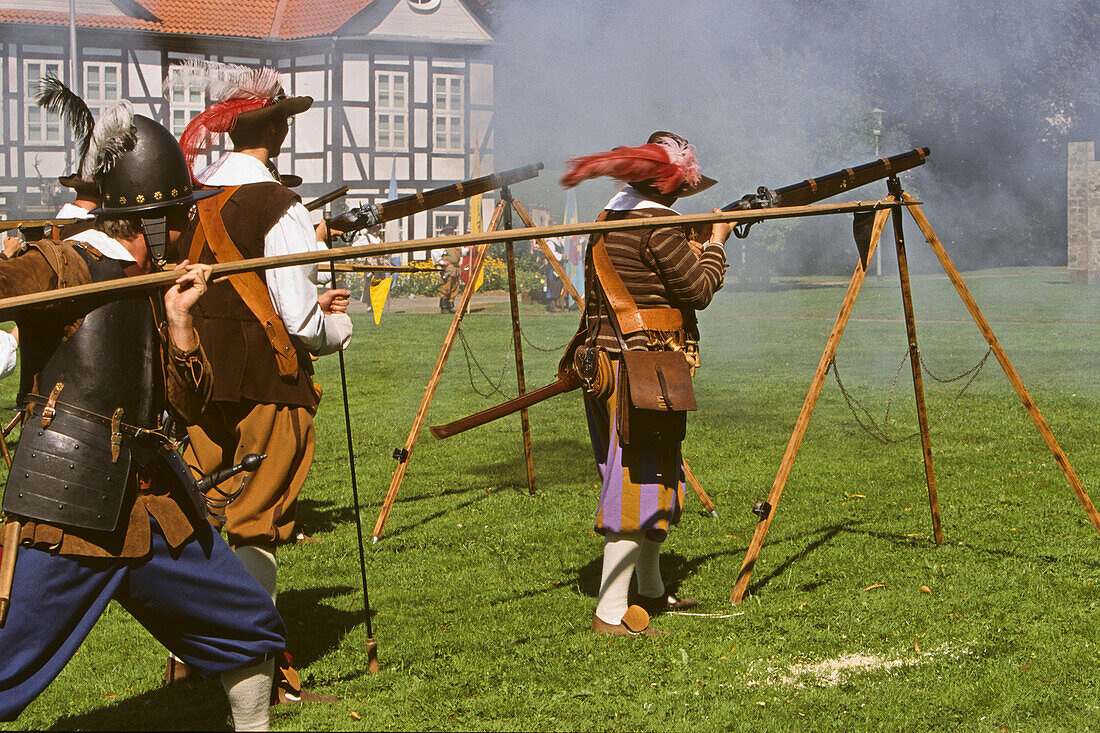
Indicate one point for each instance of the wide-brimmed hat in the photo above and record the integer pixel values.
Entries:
(280, 108)
(242, 97)
(665, 165)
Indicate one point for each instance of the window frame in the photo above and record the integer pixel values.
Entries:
(447, 116)
(37, 121)
(387, 112)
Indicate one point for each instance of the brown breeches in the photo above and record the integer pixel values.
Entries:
(264, 512)
(449, 289)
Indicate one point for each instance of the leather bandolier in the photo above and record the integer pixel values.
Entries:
(90, 403)
(241, 347)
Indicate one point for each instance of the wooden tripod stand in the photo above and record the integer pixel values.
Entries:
(766, 510)
(502, 214)
(502, 217)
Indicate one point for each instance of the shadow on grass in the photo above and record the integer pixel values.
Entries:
(675, 569)
(183, 706)
(314, 628)
(443, 512)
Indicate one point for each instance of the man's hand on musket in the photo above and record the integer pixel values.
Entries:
(334, 301)
(720, 230)
(322, 231)
(180, 298)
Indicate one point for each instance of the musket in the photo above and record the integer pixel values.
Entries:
(565, 383)
(106, 288)
(812, 190)
(371, 214)
(8, 224)
(322, 201)
(797, 195)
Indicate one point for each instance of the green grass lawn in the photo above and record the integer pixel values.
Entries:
(483, 594)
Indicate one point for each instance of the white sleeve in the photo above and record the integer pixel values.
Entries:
(9, 348)
(294, 289)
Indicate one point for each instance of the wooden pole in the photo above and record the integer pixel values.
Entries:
(698, 488)
(803, 422)
(9, 306)
(7, 565)
(558, 270)
(1002, 357)
(403, 454)
(517, 343)
(914, 363)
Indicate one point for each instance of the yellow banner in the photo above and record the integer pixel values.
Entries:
(379, 293)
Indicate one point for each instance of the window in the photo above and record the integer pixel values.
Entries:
(43, 127)
(442, 220)
(186, 103)
(447, 119)
(102, 87)
(391, 110)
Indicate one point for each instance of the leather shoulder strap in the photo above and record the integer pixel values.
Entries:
(618, 297)
(249, 286)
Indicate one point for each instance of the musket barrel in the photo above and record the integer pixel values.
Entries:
(414, 203)
(813, 190)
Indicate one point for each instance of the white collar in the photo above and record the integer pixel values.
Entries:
(72, 211)
(628, 199)
(106, 246)
(235, 169)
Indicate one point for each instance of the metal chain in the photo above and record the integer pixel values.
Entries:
(494, 388)
(536, 347)
(882, 433)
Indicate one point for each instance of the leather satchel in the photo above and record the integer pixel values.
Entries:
(655, 390)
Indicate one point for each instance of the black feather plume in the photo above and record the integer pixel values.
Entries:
(56, 97)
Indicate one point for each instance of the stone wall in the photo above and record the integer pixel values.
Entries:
(1083, 214)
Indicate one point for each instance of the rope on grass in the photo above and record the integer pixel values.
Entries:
(881, 433)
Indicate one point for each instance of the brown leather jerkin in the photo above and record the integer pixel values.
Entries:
(249, 286)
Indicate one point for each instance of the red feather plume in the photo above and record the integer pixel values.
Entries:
(216, 119)
(649, 162)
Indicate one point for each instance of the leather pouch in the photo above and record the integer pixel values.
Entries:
(655, 393)
(594, 367)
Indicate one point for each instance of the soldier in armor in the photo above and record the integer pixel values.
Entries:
(92, 496)
(259, 331)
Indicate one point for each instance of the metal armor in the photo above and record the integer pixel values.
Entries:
(89, 422)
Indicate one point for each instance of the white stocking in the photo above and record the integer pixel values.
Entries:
(650, 584)
(249, 693)
(620, 554)
(260, 564)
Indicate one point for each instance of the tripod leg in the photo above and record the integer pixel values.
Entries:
(914, 363)
(433, 383)
(1002, 357)
(517, 344)
(807, 410)
(565, 281)
(698, 488)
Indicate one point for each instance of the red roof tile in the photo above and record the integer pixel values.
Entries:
(235, 18)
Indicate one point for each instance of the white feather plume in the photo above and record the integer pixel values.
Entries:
(223, 81)
(112, 137)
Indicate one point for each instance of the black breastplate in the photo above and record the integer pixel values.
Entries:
(88, 400)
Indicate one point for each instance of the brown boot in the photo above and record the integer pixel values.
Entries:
(177, 671)
(668, 602)
(635, 622)
(287, 686)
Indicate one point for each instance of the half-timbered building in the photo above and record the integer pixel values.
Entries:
(403, 89)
